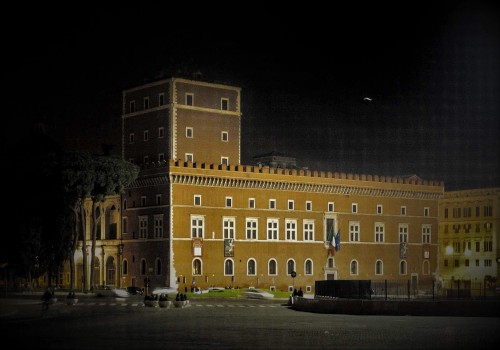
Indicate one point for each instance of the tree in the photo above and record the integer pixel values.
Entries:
(34, 245)
(78, 177)
(113, 175)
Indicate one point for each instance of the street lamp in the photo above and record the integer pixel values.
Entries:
(120, 258)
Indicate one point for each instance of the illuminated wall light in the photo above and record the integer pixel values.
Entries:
(449, 250)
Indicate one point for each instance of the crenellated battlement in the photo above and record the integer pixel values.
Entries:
(410, 180)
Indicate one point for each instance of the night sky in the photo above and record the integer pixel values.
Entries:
(431, 70)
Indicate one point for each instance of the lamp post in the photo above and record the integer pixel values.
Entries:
(120, 258)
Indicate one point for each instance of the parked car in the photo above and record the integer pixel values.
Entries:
(111, 291)
(255, 293)
(135, 290)
(164, 290)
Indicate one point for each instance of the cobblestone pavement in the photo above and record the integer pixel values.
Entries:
(231, 324)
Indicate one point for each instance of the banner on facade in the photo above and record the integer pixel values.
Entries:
(229, 247)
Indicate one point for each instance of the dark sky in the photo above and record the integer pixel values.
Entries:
(432, 70)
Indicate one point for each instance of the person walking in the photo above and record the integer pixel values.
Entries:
(46, 301)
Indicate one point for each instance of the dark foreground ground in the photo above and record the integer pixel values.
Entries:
(109, 323)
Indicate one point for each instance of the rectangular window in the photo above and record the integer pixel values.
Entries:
(189, 99)
(125, 225)
(446, 213)
(158, 226)
(272, 229)
(224, 136)
(290, 205)
(228, 227)
(146, 102)
(131, 138)
(251, 203)
(146, 135)
(403, 233)
(477, 262)
(143, 201)
(132, 107)
(467, 212)
(487, 263)
(189, 132)
(467, 262)
(478, 247)
(331, 206)
(161, 99)
(488, 210)
(488, 246)
(379, 232)
(309, 205)
(224, 104)
(353, 231)
(272, 204)
(426, 233)
(478, 212)
(197, 199)
(457, 212)
(403, 210)
(197, 226)
(143, 226)
(379, 209)
(161, 132)
(426, 211)
(229, 202)
(161, 157)
(354, 207)
(158, 199)
(291, 229)
(456, 247)
(308, 230)
(188, 157)
(252, 225)
(224, 160)
(456, 263)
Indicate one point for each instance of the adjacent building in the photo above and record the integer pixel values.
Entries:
(468, 237)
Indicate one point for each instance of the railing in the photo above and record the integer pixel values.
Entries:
(403, 290)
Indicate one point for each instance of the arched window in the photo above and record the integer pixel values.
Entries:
(290, 267)
(143, 267)
(379, 267)
(158, 267)
(426, 267)
(308, 267)
(125, 267)
(251, 267)
(354, 267)
(272, 268)
(228, 267)
(197, 267)
(402, 267)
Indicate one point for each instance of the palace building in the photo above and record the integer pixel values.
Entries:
(196, 216)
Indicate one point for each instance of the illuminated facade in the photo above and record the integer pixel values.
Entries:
(196, 216)
(469, 236)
